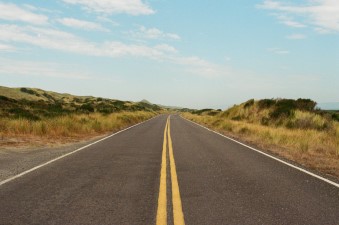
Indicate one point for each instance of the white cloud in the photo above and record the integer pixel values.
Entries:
(81, 24)
(321, 14)
(166, 48)
(12, 12)
(296, 37)
(63, 41)
(40, 69)
(132, 7)
(321, 30)
(289, 21)
(278, 51)
(41, 37)
(107, 20)
(115, 49)
(153, 33)
(6, 48)
(59, 40)
(292, 23)
(198, 66)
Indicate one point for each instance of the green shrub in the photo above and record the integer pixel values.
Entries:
(335, 116)
(199, 112)
(305, 104)
(28, 91)
(213, 113)
(86, 108)
(23, 113)
(236, 118)
(266, 103)
(265, 121)
(249, 103)
(283, 108)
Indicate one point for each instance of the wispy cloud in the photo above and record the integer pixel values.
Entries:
(47, 37)
(41, 37)
(6, 48)
(12, 12)
(289, 21)
(105, 19)
(132, 7)
(152, 33)
(39, 69)
(67, 42)
(166, 48)
(296, 37)
(82, 24)
(59, 40)
(278, 51)
(321, 14)
(198, 66)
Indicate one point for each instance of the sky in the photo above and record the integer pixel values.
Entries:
(192, 53)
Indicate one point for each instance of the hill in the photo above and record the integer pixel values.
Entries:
(293, 129)
(289, 113)
(163, 106)
(33, 103)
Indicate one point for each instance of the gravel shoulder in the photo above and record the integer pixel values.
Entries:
(15, 160)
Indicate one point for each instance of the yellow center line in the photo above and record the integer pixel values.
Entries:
(178, 215)
(162, 200)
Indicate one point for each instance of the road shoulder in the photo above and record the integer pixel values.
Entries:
(16, 160)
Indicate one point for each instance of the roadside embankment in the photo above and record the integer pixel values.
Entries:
(305, 137)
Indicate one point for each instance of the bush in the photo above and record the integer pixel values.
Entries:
(335, 116)
(265, 121)
(5, 99)
(249, 103)
(236, 118)
(199, 112)
(28, 91)
(266, 103)
(305, 104)
(283, 108)
(22, 113)
(87, 108)
(49, 97)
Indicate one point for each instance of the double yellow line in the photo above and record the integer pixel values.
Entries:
(178, 216)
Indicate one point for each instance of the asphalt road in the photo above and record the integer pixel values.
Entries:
(187, 176)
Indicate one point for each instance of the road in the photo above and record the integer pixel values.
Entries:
(167, 171)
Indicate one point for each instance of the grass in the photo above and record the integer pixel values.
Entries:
(65, 128)
(34, 116)
(36, 104)
(304, 136)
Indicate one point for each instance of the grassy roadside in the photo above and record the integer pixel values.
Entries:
(35, 117)
(64, 129)
(313, 143)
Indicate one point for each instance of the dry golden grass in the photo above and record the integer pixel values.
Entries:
(316, 149)
(68, 128)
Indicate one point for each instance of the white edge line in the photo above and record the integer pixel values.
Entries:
(270, 156)
(70, 153)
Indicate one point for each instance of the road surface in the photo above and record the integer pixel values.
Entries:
(167, 171)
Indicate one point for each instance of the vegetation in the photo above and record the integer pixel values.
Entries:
(28, 114)
(290, 128)
(70, 126)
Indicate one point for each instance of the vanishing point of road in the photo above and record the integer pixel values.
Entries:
(167, 171)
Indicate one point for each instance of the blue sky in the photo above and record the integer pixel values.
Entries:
(189, 53)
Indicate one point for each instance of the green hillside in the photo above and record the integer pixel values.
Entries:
(33, 103)
(289, 113)
(293, 129)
